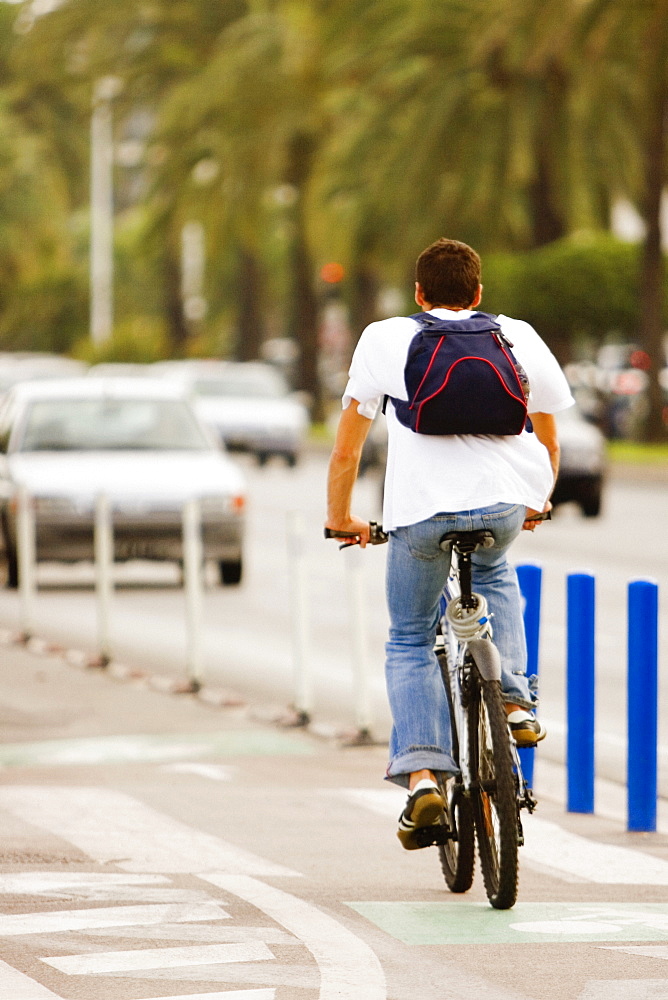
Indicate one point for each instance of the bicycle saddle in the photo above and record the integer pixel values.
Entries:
(467, 541)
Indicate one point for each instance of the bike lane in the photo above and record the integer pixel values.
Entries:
(152, 848)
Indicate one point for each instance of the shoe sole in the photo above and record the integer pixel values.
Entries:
(527, 738)
(428, 811)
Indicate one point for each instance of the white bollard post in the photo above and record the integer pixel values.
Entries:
(301, 633)
(192, 582)
(104, 568)
(26, 559)
(354, 558)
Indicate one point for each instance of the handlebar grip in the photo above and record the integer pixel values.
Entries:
(376, 535)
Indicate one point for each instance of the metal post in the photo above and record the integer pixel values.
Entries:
(643, 618)
(104, 583)
(301, 638)
(530, 580)
(102, 209)
(580, 693)
(26, 558)
(354, 558)
(193, 560)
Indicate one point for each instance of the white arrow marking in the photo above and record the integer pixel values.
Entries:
(236, 995)
(645, 950)
(349, 969)
(624, 989)
(216, 772)
(108, 916)
(48, 883)
(159, 958)
(115, 828)
(15, 986)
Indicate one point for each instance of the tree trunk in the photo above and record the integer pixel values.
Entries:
(251, 321)
(652, 265)
(304, 312)
(547, 215)
(364, 298)
(177, 327)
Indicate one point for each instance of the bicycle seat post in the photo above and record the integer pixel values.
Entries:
(465, 584)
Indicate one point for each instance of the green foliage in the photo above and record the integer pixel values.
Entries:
(576, 290)
(141, 339)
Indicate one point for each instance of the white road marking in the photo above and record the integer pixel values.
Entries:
(218, 934)
(625, 989)
(56, 921)
(349, 969)
(645, 950)
(115, 828)
(159, 958)
(49, 883)
(216, 772)
(15, 986)
(547, 846)
(553, 847)
(236, 995)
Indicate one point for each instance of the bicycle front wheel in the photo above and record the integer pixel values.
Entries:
(493, 794)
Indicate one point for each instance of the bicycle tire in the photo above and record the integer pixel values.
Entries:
(493, 793)
(457, 857)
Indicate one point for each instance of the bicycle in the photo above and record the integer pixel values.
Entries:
(484, 801)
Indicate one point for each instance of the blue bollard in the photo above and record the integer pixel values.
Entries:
(642, 680)
(580, 699)
(530, 581)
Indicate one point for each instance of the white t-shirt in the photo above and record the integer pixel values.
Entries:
(427, 474)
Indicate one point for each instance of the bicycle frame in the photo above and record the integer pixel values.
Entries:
(458, 663)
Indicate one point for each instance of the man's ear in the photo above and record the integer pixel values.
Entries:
(477, 299)
(419, 295)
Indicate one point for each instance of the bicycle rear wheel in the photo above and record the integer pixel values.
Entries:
(493, 793)
(457, 856)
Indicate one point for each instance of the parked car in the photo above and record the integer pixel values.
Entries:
(23, 366)
(248, 404)
(136, 440)
(583, 459)
(582, 466)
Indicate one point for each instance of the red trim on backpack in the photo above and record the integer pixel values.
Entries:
(447, 379)
(433, 358)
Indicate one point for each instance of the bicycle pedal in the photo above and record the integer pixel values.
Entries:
(426, 836)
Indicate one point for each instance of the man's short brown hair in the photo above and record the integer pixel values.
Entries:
(448, 273)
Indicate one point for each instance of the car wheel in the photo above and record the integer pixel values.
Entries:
(262, 457)
(230, 571)
(12, 560)
(590, 502)
(291, 459)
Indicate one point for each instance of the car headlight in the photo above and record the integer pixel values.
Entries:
(213, 507)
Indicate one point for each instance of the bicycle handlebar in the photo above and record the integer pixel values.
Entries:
(376, 535)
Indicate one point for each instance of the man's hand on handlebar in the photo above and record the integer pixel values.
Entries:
(534, 517)
(357, 532)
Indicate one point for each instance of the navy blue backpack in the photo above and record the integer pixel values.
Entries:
(462, 378)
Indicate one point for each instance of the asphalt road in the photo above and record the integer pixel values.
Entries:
(154, 848)
(248, 639)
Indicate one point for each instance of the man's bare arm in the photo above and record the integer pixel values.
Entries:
(545, 429)
(343, 465)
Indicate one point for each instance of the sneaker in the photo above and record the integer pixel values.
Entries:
(525, 728)
(425, 807)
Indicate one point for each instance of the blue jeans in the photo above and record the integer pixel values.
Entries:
(416, 573)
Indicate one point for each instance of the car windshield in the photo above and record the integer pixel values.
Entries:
(248, 385)
(111, 425)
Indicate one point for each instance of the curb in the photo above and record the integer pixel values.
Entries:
(214, 697)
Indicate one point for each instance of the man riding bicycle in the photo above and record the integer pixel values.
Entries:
(435, 484)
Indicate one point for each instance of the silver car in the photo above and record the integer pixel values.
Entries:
(248, 404)
(136, 440)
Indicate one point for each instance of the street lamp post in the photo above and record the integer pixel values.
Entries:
(102, 209)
